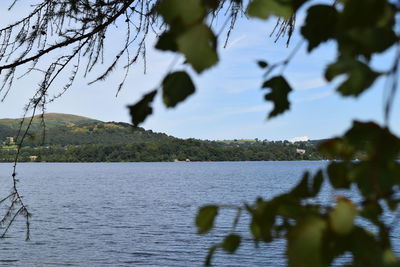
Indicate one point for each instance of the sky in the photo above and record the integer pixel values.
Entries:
(228, 103)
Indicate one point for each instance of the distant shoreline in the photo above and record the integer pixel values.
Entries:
(71, 138)
(33, 162)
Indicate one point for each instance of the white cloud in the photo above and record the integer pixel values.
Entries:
(315, 97)
(310, 84)
(260, 108)
(237, 42)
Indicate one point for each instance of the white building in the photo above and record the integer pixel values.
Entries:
(300, 151)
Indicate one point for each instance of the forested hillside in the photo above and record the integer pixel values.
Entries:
(72, 138)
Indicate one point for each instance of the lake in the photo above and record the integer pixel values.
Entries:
(140, 214)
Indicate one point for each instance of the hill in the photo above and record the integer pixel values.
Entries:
(66, 129)
(51, 120)
(75, 138)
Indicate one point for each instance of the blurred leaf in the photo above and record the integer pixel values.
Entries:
(364, 13)
(262, 64)
(320, 25)
(198, 44)
(255, 230)
(317, 182)
(186, 12)
(177, 87)
(280, 90)
(389, 257)
(263, 9)
(205, 218)
(231, 243)
(142, 109)
(365, 249)
(372, 40)
(342, 217)
(371, 211)
(337, 148)
(263, 219)
(301, 189)
(167, 42)
(213, 4)
(305, 243)
(338, 175)
(359, 76)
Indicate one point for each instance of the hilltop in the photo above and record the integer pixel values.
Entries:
(66, 129)
(76, 138)
(51, 120)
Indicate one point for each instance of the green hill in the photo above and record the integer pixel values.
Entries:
(75, 138)
(51, 120)
(66, 129)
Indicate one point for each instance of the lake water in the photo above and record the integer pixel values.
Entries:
(139, 214)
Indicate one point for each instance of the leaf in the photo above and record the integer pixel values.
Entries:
(301, 189)
(263, 9)
(167, 42)
(317, 182)
(338, 175)
(280, 90)
(198, 44)
(359, 76)
(142, 109)
(342, 217)
(372, 40)
(364, 13)
(185, 12)
(177, 87)
(231, 243)
(212, 4)
(205, 218)
(262, 64)
(305, 243)
(320, 25)
(371, 211)
(365, 248)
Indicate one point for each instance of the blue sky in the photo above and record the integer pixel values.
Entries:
(228, 103)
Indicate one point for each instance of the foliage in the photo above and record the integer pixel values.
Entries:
(72, 140)
(316, 233)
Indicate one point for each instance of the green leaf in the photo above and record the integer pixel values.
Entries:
(167, 42)
(177, 87)
(231, 243)
(338, 175)
(142, 109)
(320, 25)
(198, 44)
(337, 148)
(317, 182)
(364, 13)
(263, 9)
(212, 4)
(371, 211)
(359, 76)
(305, 243)
(389, 258)
(280, 90)
(342, 217)
(185, 12)
(372, 40)
(205, 218)
(301, 189)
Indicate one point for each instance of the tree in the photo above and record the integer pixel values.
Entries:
(362, 29)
